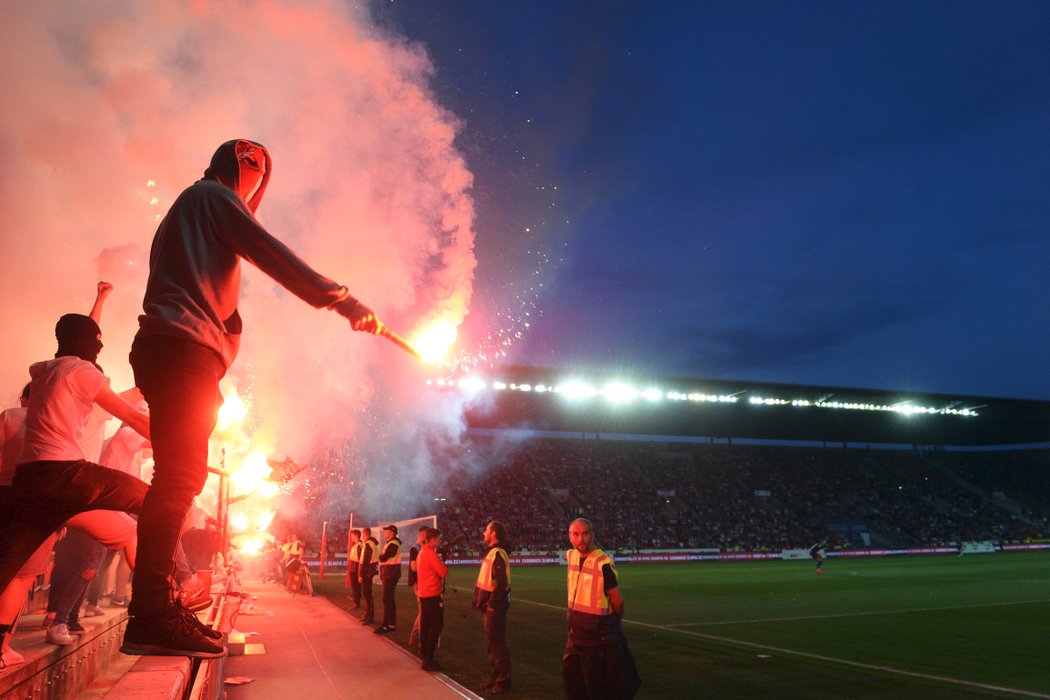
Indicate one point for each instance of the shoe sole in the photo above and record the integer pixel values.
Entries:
(157, 650)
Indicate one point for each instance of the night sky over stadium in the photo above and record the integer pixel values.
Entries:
(848, 194)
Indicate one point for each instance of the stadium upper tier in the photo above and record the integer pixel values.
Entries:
(542, 399)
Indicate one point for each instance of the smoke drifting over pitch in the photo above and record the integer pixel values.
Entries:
(113, 109)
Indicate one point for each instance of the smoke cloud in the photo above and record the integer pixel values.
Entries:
(113, 108)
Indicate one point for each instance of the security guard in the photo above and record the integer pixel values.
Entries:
(597, 662)
(389, 575)
(366, 570)
(353, 564)
(492, 598)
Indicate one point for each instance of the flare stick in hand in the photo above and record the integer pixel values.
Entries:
(400, 342)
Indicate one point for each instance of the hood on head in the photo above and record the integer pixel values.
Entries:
(234, 163)
(78, 335)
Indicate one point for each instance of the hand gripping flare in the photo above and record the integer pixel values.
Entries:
(400, 342)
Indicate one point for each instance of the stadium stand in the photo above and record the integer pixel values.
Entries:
(647, 495)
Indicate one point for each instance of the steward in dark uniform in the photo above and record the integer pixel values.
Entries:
(597, 662)
(492, 598)
(353, 564)
(366, 570)
(389, 575)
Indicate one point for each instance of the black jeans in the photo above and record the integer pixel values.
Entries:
(180, 381)
(431, 622)
(43, 495)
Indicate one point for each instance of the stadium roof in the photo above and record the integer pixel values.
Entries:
(560, 400)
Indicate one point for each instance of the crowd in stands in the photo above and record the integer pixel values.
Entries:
(739, 498)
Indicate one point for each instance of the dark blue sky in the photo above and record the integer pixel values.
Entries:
(850, 194)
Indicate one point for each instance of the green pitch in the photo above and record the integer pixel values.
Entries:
(887, 627)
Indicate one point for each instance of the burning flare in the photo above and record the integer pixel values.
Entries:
(434, 341)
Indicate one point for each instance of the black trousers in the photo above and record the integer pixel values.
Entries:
(431, 622)
(494, 625)
(605, 672)
(390, 600)
(180, 382)
(355, 586)
(366, 593)
(43, 495)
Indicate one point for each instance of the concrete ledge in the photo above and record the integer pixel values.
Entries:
(154, 678)
(57, 672)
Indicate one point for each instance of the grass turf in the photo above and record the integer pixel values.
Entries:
(887, 627)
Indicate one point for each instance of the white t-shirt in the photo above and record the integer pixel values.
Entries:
(61, 400)
(121, 451)
(12, 437)
(94, 436)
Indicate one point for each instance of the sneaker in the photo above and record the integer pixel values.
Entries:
(118, 602)
(381, 630)
(75, 627)
(196, 603)
(58, 634)
(170, 634)
(196, 622)
(92, 611)
(499, 688)
(431, 666)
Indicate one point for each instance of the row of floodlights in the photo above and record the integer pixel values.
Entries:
(620, 393)
(614, 392)
(905, 407)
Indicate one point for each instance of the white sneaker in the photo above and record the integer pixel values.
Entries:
(92, 611)
(59, 634)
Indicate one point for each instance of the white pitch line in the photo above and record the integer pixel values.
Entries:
(858, 614)
(820, 657)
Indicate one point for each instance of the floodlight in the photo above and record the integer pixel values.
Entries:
(617, 392)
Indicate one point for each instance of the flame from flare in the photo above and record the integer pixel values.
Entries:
(251, 474)
(434, 341)
(244, 457)
(232, 412)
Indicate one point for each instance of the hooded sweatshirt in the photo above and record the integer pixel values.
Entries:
(61, 405)
(195, 275)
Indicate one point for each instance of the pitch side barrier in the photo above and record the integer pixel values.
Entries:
(677, 556)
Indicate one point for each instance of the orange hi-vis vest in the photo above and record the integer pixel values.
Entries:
(485, 580)
(587, 585)
(394, 560)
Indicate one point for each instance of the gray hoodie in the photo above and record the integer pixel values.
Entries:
(195, 275)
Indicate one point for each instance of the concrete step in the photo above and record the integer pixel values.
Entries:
(61, 672)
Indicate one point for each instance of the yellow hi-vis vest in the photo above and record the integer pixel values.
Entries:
(394, 560)
(485, 580)
(375, 552)
(354, 554)
(586, 586)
